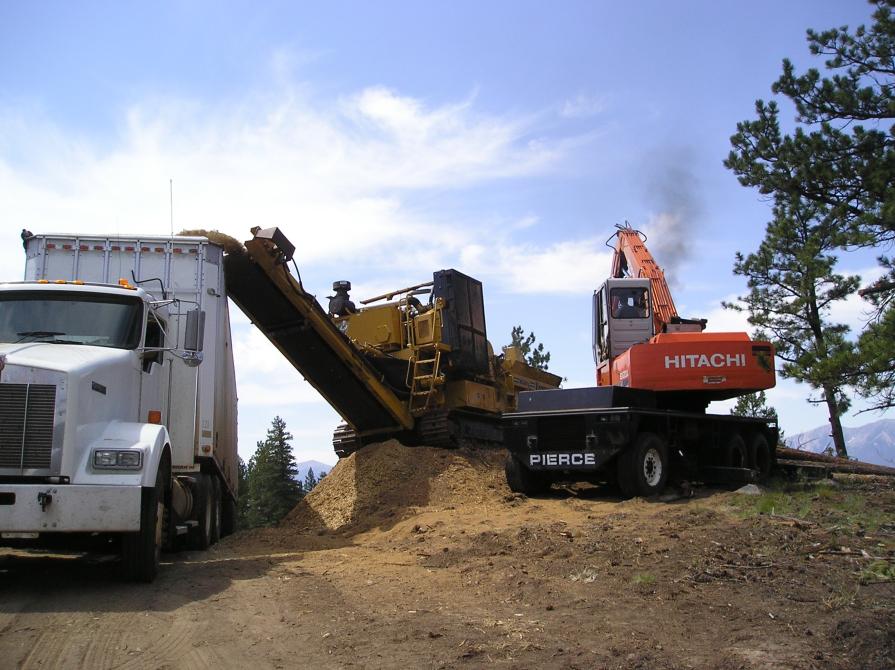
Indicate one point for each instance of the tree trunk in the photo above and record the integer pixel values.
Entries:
(835, 423)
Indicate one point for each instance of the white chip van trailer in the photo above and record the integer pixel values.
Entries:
(117, 396)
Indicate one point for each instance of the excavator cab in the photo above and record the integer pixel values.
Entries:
(622, 317)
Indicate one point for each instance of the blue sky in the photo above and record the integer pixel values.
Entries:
(389, 140)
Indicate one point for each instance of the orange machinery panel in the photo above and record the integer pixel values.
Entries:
(721, 365)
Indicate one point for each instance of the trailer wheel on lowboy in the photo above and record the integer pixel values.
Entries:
(522, 480)
(642, 469)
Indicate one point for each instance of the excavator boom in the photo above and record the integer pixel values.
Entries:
(633, 259)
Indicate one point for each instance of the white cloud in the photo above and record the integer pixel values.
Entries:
(529, 221)
(582, 106)
(336, 176)
(721, 320)
(330, 175)
(573, 266)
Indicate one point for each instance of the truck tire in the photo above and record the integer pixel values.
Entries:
(735, 454)
(141, 551)
(760, 456)
(216, 504)
(228, 516)
(522, 480)
(642, 468)
(200, 537)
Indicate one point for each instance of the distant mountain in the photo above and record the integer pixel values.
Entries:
(871, 443)
(317, 466)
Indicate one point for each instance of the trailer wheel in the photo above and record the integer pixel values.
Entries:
(200, 538)
(760, 457)
(642, 469)
(141, 552)
(216, 509)
(735, 454)
(522, 480)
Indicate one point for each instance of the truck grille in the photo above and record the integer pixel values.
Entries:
(26, 425)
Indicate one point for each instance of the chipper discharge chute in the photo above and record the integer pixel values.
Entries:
(398, 366)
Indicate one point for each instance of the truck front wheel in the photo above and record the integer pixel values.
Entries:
(522, 480)
(141, 551)
(642, 469)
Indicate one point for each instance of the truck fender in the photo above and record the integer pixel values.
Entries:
(159, 443)
(152, 439)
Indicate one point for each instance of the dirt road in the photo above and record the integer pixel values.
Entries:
(461, 573)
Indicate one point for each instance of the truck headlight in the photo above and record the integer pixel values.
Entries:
(117, 459)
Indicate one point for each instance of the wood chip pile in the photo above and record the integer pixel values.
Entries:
(230, 244)
(389, 480)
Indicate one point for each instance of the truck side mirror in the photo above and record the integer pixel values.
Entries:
(195, 330)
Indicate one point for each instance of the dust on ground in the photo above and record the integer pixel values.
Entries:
(423, 558)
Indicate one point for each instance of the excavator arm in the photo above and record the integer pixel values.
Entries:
(633, 259)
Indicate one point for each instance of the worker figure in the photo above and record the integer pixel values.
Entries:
(641, 306)
(629, 305)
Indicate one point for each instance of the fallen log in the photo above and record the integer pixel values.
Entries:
(842, 465)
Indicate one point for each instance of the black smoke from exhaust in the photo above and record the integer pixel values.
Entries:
(673, 194)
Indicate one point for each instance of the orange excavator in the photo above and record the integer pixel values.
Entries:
(641, 342)
(646, 419)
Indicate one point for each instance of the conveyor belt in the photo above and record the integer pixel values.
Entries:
(259, 283)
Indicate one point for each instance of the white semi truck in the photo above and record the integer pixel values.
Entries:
(117, 397)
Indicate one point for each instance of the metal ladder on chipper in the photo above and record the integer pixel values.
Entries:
(423, 370)
(425, 377)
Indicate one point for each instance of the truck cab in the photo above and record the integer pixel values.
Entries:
(117, 405)
(74, 360)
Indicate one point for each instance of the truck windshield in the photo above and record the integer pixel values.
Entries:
(70, 318)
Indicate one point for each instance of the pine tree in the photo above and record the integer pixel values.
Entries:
(310, 480)
(841, 156)
(839, 162)
(535, 356)
(876, 346)
(272, 489)
(242, 502)
(755, 405)
(792, 285)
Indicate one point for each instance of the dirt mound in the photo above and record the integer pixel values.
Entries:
(388, 480)
(230, 244)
